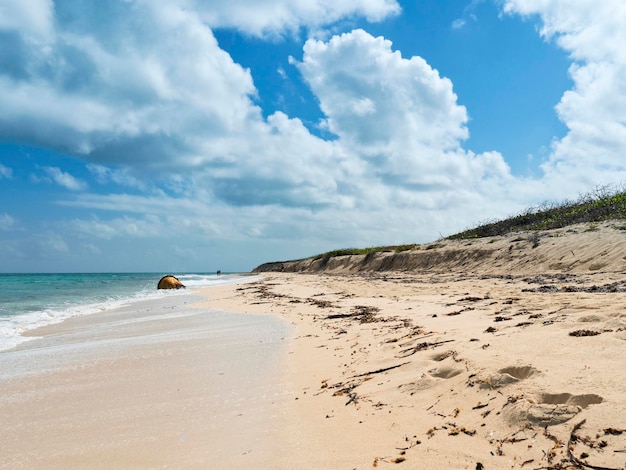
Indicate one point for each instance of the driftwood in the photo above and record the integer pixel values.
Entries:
(349, 389)
(378, 371)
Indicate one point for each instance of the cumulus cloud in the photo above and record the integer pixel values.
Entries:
(136, 83)
(129, 83)
(399, 133)
(593, 150)
(399, 115)
(132, 85)
(275, 17)
(144, 95)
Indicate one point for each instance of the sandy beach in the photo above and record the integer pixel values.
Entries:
(465, 369)
(449, 370)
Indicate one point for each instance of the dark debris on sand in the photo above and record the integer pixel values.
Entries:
(571, 283)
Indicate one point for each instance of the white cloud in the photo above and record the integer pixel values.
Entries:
(134, 227)
(145, 95)
(91, 248)
(362, 106)
(179, 220)
(144, 87)
(53, 242)
(62, 178)
(31, 251)
(32, 19)
(396, 162)
(6, 221)
(459, 23)
(589, 31)
(5, 172)
(399, 115)
(359, 68)
(275, 17)
(140, 85)
(121, 176)
(468, 16)
(593, 34)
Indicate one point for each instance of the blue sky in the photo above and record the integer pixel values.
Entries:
(195, 135)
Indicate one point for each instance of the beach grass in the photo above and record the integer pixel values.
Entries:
(366, 251)
(602, 204)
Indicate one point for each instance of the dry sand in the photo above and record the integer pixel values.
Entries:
(448, 371)
(479, 368)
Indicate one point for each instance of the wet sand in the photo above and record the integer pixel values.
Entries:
(160, 384)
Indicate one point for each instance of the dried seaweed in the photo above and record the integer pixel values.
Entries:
(573, 438)
(320, 303)
(362, 313)
(584, 333)
(421, 346)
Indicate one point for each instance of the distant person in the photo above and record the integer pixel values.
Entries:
(219, 272)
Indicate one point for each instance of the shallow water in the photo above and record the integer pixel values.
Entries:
(28, 301)
(118, 332)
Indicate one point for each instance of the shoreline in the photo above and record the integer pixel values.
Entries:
(427, 370)
(156, 384)
(30, 301)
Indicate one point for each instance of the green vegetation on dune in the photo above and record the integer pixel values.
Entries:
(279, 265)
(599, 205)
(604, 203)
(365, 251)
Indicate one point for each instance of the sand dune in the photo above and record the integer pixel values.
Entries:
(574, 249)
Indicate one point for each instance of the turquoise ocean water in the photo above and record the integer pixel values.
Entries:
(28, 301)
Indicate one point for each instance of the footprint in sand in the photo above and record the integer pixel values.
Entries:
(549, 409)
(509, 375)
(423, 383)
(429, 379)
(445, 372)
(442, 356)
